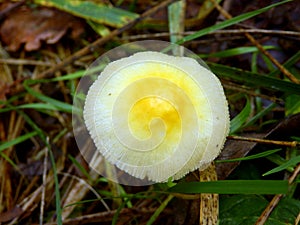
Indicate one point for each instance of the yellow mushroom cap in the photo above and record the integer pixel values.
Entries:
(157, 116)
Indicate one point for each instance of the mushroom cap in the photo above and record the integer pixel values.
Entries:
(157, 116)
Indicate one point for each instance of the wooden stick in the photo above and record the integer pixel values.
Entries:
(265, 141)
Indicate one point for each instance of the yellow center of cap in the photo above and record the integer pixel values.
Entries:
(148, 113)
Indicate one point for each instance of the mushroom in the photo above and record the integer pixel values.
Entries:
(157, 116)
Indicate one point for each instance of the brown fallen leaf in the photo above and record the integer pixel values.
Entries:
(11, 214)
(31, 26)
(7, 6)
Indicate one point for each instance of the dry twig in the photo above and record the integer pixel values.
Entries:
(25, 62)
(292, 144)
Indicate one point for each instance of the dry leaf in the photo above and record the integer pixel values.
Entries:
(32, 26)
(10, 214)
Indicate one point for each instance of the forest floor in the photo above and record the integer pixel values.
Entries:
(46, 48)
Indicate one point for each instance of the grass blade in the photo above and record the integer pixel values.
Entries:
(257, 80)
(235, 52)
(16, 141)
(70, 76)
(59, 105)
(37, 106)
(233, 187)
(292, 104)
(292, 162)
(237, 122)
(56, 188)
(294, 59)
(80, 167)
(260, 114)
(159, 210)
(256, 156)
